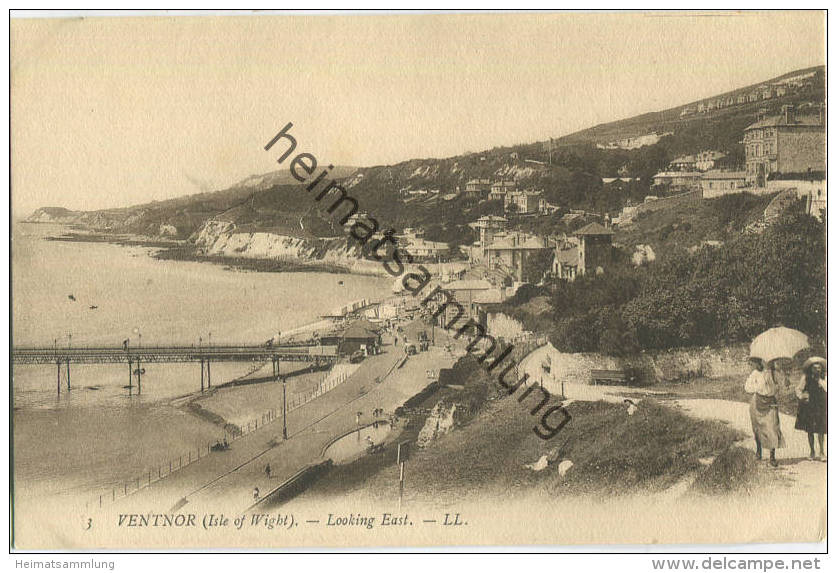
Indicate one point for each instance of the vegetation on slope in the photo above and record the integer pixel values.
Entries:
(708, 297)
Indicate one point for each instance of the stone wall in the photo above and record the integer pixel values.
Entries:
(550, 367)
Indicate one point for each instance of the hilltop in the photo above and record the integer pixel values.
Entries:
(427, 193)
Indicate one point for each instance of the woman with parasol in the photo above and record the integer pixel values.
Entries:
(767, 348)
(764, 408)
(812, 392)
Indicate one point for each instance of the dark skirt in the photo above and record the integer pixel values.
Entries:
(812, 416)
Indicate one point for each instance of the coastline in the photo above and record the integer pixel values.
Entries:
(179, 250)
(169, 249)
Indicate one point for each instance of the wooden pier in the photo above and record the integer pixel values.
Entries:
(136, 357)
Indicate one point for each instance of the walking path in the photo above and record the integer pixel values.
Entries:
(225, 481)
(808, 477)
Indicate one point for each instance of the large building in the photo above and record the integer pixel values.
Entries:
(487, 228)
(716, 183)
(500, 188)
(514, 253)
(784, 144)
(522, 202)
(678, 180)
(478, 187)
(706, 160)
(592, 253)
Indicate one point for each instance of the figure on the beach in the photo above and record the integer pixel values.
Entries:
(267, 471)
(764, 408)
(812, 391)
(255, 494)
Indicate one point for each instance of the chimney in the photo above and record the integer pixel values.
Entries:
(787, 112)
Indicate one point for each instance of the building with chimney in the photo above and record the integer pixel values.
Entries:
(514, 252)
(715, 183)
(500, 188)
(487, 227)
(785, 143)
(590, 252)
(522, 202)
(478, 187)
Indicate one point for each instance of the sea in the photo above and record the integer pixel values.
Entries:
(77, 294)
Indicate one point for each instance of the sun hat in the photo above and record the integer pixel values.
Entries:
(814, 360)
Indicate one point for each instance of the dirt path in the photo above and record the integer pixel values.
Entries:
(804, 476)
(807, 476)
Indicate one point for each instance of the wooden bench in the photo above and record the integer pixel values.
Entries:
(610, 377)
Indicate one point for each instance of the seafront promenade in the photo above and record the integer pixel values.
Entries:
(224, 481)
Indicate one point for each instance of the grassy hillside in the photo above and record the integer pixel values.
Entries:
(690, 224)
(612, 453)
(570, 175)
(738, 114)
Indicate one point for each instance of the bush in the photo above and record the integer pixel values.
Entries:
(709, 297)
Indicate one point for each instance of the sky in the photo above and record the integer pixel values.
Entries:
(114, 111)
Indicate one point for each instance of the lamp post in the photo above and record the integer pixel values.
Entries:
(69, 347)
(57, 363)
(284, 409)
(139, 362)
(208, 367)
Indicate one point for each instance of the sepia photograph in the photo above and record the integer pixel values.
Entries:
(405, 281)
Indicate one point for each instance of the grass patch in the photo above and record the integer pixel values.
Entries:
(612, 453)
(655, 448)
(734, 470)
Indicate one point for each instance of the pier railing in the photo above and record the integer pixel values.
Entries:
(227, 353)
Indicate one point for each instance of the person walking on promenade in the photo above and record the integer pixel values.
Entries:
(764, 408)
(812, 391)
(267, 471)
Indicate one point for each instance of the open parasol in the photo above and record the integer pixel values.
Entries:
(779, 342)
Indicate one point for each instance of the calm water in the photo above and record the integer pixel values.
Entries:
(70, 441)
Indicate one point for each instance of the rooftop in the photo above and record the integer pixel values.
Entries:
(468, 284)
(678, 174)
(360, 329)
(594, 229)
(779, 121)
(716, 174)
(567, 256)
(517, 241)
(491, 296)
